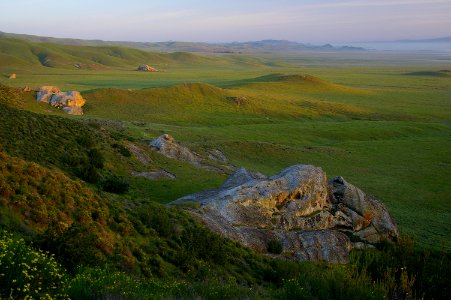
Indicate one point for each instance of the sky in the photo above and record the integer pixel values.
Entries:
(308, 21)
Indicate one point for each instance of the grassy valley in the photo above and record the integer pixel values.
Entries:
(380, 121)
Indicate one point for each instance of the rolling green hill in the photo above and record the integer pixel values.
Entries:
(15, 52)
(272, 95)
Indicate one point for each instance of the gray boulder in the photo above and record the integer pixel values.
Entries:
(309, 216)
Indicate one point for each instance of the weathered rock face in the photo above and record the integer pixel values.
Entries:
(147, 68)
(298, 207)
(369, 218)
(71, 102)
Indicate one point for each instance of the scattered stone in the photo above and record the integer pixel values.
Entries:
(298, 207)
(26, 89)
(147, 68)
(213, 160)
(71, 102)
(161, 174)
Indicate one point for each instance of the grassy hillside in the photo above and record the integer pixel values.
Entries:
(245, 102)
(144, 250)
(15, 52)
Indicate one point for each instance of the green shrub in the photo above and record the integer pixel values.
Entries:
(27, 273)
(96, 158)
(76, 246)
(85, 141)
(115, 184)
(88, 173)
(274, 247)
(122, 150)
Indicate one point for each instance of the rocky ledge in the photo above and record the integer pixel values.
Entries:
(307, 216)
(71, 102)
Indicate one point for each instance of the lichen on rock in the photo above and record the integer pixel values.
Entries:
(310, 216)
(71, 102)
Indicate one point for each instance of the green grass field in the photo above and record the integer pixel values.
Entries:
(382, 120)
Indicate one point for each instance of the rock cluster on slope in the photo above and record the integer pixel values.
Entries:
(167, 146)
(214, 160)
(71, 102)
(147, 68)
(312, 218)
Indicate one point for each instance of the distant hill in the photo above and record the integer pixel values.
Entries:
(435, 40)
(26, 52)
(175, 46)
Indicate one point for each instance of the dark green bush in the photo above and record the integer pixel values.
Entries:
(85, 141)
(274, 247)
(88, 173)
(122, 150)
(115, 184)
(76, 246)
(96, 158)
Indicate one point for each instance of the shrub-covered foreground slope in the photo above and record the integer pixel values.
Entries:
(133, 248)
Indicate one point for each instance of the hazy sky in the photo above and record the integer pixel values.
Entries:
(311, 21)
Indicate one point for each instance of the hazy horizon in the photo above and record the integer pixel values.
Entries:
(306, 21)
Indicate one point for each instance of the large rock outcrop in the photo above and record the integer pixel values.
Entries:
(309, 216)
(71, 102)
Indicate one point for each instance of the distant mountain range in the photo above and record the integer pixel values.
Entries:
(435, 40)
(270, 46)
